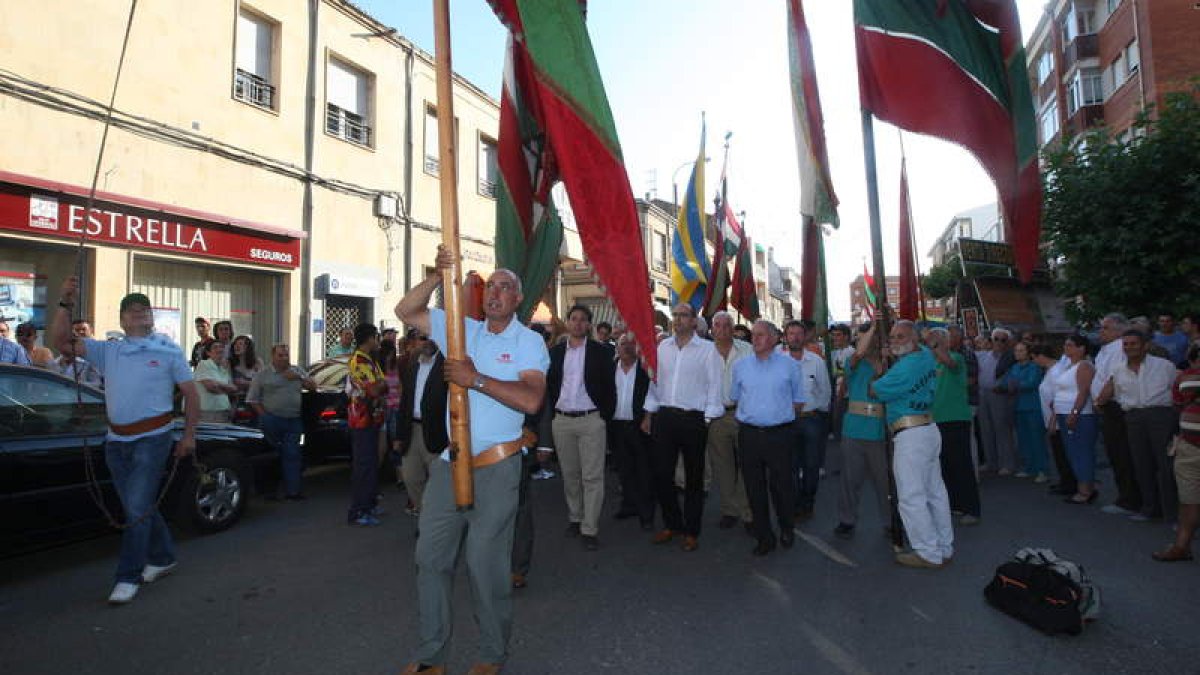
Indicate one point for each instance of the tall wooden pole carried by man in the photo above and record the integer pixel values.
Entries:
(460, 415)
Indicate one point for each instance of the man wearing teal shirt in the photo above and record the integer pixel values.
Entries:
(908, 390)
(952, 415)
(864, 449)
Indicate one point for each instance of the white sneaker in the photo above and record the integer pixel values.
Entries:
(1041, 478)
(1020, 474)
(122, 593)
(151, 573)
(1114, 510)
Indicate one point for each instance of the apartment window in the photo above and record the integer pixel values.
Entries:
(1113, 5)
(964, 228)
(431, 141)
(347, 106)
(489, 170)
(254, 77)
(660, 251)
(1045, 66)
(1133, 59)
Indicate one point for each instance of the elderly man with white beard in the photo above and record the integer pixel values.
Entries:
(907, 389)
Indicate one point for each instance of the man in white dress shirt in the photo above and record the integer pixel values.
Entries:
(1112, 420)
(723, 431)
(1142, 387)
(812, 423)
(679, 406)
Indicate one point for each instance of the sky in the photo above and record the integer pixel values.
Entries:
(665, 62)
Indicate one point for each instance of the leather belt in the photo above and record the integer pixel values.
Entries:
(502, 451)
(731, 408)
(807, 413)
(579, 413)
(756, 427)
(910, 422)
(865, 409)
(680, 411)
(142, 426)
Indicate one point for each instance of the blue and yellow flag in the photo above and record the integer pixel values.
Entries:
(690, 270)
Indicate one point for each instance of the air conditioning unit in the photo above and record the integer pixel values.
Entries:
(386, 206)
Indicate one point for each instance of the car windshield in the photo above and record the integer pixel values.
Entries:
(34, 402)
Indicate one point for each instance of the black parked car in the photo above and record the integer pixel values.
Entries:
(44, 485)
(326, 435)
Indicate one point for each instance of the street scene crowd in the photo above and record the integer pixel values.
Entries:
(924, 415)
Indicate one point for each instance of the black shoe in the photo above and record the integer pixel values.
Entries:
(624, 513)
(763, 547)
(844, 530)
(647, 524)
(590, 542)
(298, 497)
(749, 525)
(727, 522)
(787, 538)
(573, 530)
(803, 514)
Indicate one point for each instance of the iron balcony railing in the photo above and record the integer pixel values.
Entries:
(253, 89)
(347, 125)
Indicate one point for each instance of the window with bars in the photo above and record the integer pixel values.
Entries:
(347, 102)
(489, 170)
(254, 71)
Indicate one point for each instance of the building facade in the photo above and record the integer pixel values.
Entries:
(858, 302)
(1094, 62)
(271, 163)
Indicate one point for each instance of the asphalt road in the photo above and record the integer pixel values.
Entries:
(293, 589)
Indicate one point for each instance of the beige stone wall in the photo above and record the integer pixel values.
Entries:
(179, 72)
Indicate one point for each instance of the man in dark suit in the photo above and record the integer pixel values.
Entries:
(580, 384)
(631, 446)
(422, 427)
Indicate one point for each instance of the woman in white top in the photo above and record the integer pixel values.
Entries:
(215, 384)
(1048, 361)
(1075, 418)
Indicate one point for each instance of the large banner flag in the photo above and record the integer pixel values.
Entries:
(817, 198)
(908, 270)
(529, 233)
(955, 69)
(818, 203)
(690, 271)
(573, 112)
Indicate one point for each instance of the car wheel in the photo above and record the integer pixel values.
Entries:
(215, 499)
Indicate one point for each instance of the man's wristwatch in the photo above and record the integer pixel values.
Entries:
(478, 383)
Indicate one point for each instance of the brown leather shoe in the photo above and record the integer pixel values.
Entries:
(518, 581)
(911, 559)
(419, 668)
(485, 669)
(690, 544)
(663, 537)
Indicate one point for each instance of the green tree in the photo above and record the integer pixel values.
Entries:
(1122, 218)
(942, 280)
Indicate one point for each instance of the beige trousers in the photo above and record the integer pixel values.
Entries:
(580, 443)
(722, 458)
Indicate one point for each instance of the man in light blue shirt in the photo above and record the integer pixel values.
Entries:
(506, 374)
(140, 372)
(10, 351)
(769, 391)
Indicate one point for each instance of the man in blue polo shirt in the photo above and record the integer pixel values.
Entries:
(908, 389)
(769, 390)
(505, 373)
(140, 372)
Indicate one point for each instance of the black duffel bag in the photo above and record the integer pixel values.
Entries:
(1037, 595)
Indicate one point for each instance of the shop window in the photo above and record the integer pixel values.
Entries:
(489, 170)
(254, 75)
(347, 102)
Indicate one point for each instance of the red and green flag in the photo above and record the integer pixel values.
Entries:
(732, 246)
(869, 291)
(818, 203)
(529, 233)
(565, 95)
(955, 69)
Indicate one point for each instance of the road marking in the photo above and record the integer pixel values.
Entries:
(839, 657)
(921, 614)
(830, 552)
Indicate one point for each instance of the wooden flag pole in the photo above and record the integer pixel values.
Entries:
(460, 416)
